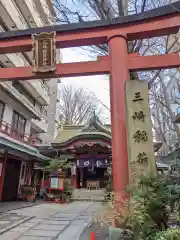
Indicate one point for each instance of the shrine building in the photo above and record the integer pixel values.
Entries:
(88, 147)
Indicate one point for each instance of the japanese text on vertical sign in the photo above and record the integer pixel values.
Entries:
(139, 116)
(137, 97)
(142, 158)
(140, 136)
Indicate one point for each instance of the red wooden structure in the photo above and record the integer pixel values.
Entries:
(116, 33)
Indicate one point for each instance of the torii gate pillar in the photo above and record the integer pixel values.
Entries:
(119, 73)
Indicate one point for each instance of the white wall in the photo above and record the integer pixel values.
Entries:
(12, 104)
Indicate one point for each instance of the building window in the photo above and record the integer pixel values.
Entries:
(18, 122)
(2, 106)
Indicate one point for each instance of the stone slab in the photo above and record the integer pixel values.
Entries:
(10, 235)
(35, 220)
(46, 227)
(79, 222)
(60, 215)
(28, 224)
(13, 224)
(71, 233)
(83, 217)
(55, 222)
(4, 222)
(39, 233)
(34, 238)
(19, 229)
(60, 219)
(14, 218)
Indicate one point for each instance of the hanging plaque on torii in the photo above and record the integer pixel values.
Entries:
(44, 52)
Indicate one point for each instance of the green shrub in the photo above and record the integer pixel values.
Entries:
(170, 234)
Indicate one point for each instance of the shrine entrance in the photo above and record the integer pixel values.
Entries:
(116, 34)
(91, 178)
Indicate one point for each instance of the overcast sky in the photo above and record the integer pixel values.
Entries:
(99, 85)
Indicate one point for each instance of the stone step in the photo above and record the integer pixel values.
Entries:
(88, 195)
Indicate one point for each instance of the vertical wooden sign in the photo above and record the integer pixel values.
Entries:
(139, 130)
(44, 52)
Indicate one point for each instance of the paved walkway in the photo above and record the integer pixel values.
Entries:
(53, 221)
(8, 206)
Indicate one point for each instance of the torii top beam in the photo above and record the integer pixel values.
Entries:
(158, 22)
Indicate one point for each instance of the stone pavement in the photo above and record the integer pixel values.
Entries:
(53, 221)
(9, 220)
(9, 206)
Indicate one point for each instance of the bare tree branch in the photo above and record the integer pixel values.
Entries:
(76, 105)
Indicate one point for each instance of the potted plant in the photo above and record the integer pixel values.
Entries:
(30, 195)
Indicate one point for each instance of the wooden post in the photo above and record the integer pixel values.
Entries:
(119, 74)
(3, 173)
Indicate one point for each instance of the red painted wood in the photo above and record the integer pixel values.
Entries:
(154, 62)
(46, 184)
(3, 174)
(159, 26)
(101, 66)
(119, 74)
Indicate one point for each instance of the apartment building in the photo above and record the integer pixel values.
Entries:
(38, 97)
(27, 108)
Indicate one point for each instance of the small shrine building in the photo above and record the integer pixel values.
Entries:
(88, 147)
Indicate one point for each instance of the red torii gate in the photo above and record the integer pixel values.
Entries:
(116, 33)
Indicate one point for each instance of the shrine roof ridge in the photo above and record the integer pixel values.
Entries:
(130, 19)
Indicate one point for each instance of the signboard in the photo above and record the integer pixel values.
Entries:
(54, 182)
(139, 129)
(44, 52)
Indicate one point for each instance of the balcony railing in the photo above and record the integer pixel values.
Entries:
(9, 130)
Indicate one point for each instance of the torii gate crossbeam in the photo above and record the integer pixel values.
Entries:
(158, 22)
